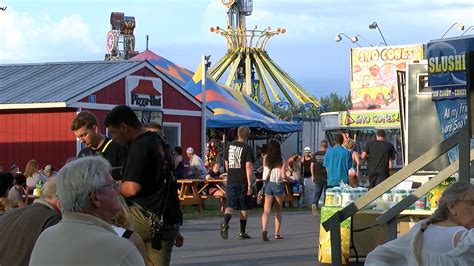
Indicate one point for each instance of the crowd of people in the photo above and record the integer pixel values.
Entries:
(122, 192)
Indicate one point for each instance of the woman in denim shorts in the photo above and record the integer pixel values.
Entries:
(273, 175)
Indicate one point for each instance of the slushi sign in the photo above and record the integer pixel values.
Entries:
(447, 67)
(447, 78)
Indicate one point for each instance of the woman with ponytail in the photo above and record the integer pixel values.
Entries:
(446, 238)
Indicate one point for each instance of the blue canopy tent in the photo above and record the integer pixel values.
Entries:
(230, 112)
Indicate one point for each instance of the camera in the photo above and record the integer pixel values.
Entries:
(156, 235)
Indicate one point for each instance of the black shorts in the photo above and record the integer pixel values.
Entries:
(237, 197)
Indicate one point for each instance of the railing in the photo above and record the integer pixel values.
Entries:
(389, 217)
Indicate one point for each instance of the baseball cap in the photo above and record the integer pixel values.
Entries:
(189, 150)
(307, 149)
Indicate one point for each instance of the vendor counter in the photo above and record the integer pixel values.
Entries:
(361, 233)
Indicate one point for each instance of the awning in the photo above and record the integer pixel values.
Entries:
(230, 112)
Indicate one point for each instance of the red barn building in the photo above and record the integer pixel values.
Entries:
(39, 101)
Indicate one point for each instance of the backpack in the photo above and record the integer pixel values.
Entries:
(165, 172)
(166, 153)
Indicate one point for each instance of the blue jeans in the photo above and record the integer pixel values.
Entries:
(318, 191)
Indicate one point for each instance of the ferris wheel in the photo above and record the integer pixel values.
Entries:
(247, 66)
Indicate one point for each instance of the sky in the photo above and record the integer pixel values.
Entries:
(34, 31)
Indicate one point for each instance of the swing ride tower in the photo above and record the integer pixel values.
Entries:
(248, 68)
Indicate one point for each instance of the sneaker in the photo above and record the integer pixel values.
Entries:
(224, 230)
(314, 209)
(244, 236)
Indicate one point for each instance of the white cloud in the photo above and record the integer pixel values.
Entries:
(36, 38)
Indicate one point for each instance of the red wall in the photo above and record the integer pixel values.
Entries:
(190, 131)
(45, 134)
(40, 134)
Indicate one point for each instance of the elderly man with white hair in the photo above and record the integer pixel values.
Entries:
(88, 198)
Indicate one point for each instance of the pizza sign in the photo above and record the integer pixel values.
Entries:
(144, 92)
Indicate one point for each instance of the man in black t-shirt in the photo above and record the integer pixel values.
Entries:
(239, 160)
(378, 154)
(143, 185)
(320, 173)
(86, 129)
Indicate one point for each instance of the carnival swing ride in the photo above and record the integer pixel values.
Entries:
(247, 66)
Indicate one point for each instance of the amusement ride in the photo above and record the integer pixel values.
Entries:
(248, 66)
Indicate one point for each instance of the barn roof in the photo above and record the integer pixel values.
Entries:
(59, 81)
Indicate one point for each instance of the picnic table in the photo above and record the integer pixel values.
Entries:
(30, 199)
(188, 193)
(218, 183)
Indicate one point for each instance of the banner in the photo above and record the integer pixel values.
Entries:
(447, 67)
(447, 78)
(374, 74)
(382, 118)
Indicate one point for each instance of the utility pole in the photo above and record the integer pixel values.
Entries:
(205, 65)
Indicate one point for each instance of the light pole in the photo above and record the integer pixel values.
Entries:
(459, 26)
(205, 64)
(338, 38)
(355, 39)
(468, 29)
(374, 25)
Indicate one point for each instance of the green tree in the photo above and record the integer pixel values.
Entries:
(334, 102)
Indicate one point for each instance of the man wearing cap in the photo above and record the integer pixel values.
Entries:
(86, 129)
(196, 166)
(49, 171)
(307, 168)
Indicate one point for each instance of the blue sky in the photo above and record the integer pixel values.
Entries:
(34, 31)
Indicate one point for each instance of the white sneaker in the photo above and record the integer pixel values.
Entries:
(314, 209)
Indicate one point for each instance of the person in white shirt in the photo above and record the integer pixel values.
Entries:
(273, 175)
(196, 166)
(447, 238)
